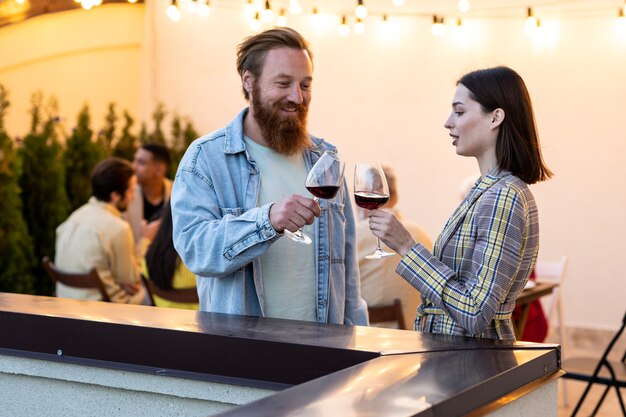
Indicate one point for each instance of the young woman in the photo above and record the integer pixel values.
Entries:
(488, 247)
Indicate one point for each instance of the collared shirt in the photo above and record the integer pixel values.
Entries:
(480, 262)
(220, 231)
(95, 235)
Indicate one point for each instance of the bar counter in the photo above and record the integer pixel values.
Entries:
(317, 369)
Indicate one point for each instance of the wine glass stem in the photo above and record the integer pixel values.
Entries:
(378, 248)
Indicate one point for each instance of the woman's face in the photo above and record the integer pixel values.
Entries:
(474, 133)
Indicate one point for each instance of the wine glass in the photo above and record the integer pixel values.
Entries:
(323, 181)
(371, 192)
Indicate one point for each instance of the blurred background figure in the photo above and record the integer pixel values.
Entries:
(164, 267)
(151, 165)
(96, 236)
(380, 284)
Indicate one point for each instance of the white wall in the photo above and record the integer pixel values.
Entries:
(385, 98)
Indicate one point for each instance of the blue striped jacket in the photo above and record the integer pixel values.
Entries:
(480, 262)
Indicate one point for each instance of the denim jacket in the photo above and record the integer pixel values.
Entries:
(220, 232)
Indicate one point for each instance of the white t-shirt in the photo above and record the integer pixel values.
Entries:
(287, 267)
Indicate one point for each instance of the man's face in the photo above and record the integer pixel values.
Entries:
(280, 99)
(146, 168)
(122, 203)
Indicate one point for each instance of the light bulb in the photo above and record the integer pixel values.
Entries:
(255, 23)
(294, 7)
(132, 1)
(399, 3)
(464, 5)
(531, 21)
(281, 20)
(268, 13)
(438, 28)
(361, 11)
(343, 28)
(359, 26)
(204, 8)
(172, 12)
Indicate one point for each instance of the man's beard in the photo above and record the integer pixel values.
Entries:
(285, 135)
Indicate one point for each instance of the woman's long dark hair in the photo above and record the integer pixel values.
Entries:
(517, 148)
(161, 258)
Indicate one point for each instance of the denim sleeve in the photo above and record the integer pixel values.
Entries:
(356, 308)
(212, 240)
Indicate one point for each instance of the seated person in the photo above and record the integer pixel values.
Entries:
(95, 235)
(380, 284)
(163, 265)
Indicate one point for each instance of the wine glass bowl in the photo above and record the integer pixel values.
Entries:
(326, 176)
(371, 192)
(323, 181)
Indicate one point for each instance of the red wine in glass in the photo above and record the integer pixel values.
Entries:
(326, 191)
(371, 192)
(323, 181)
(370, 201)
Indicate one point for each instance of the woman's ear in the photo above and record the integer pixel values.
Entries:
(498, 117)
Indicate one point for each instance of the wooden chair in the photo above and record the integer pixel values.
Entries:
(86, 280)
(182, 295)
(603, 371)
(388, 313)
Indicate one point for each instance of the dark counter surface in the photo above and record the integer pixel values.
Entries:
(361, 370)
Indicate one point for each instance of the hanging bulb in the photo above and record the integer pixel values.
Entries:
(343, 28)
(97, 2)
(20, 1)
(399, 3)
(87, 4)
(132, 1)
(268, 13)
(281, 20)
(360, 11)
(438, 28)
(294, 7)
(203, 8)
(464, 5)
(249, 9)
(359, 26)
(255, 23)
(531, 21)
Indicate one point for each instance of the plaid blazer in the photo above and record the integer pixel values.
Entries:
(480, 262)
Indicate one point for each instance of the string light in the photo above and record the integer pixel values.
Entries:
(281, 20)
(268, 13)
(343, 28)
(359, 26)
(132, 1)
(255, 23)
(399, 3)
(438, 28)
(294, 7)
(531, 21)
(172, 11)
(464, 5)
(203, 8)
(360, 11)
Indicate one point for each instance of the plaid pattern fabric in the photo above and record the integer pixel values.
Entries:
(480, 262)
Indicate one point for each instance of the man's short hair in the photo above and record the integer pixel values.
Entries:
(252, 51)
(109, 175)
(159, 152)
